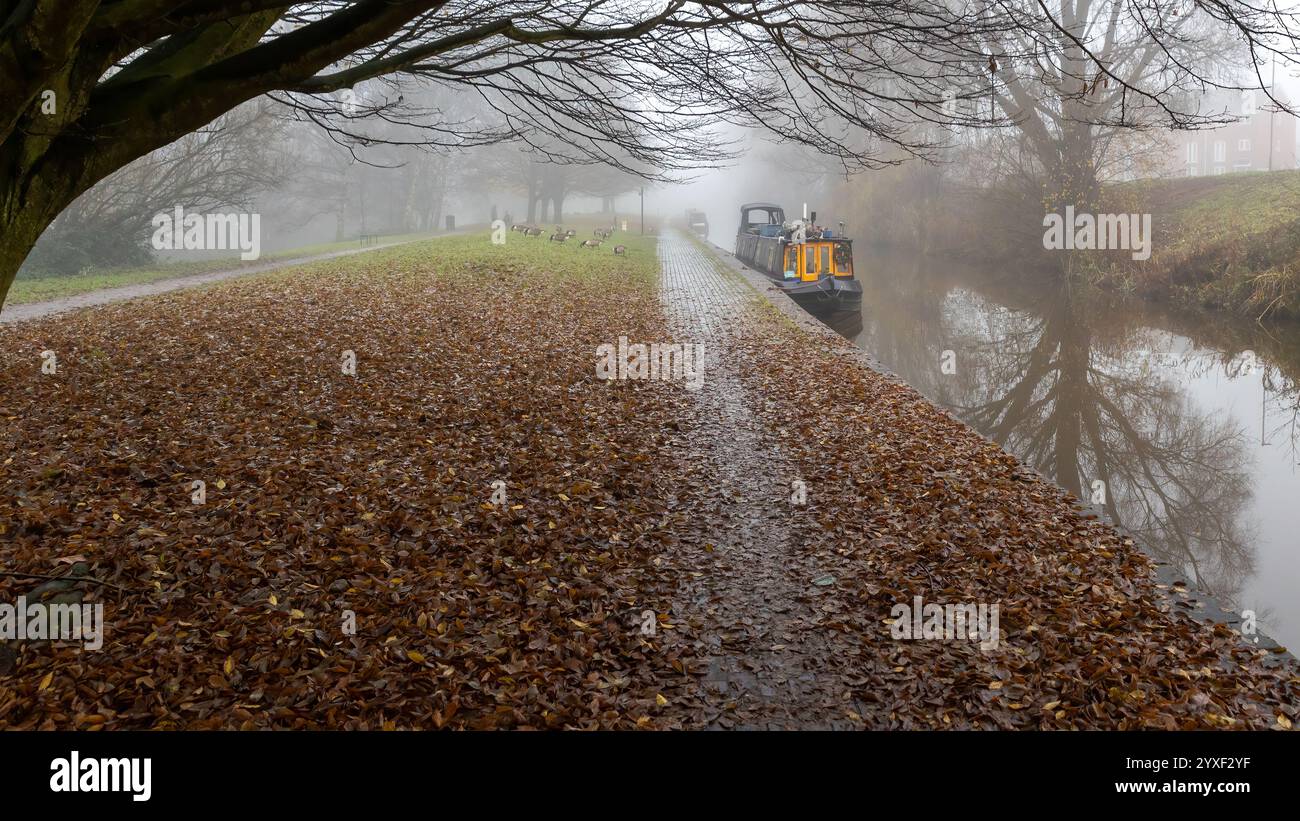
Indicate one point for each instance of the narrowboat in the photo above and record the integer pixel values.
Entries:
(811, 264)
(697, 222)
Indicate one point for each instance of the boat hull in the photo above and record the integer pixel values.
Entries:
(826, 295)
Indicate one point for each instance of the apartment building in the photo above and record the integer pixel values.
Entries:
(1261, 140)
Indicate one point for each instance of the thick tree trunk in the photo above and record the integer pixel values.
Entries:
(29, 202)
(1074, 177)
(18, 236)
(100, 125)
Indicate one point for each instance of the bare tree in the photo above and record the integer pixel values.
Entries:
(1089, 72)
(222, 165)
(89, 86)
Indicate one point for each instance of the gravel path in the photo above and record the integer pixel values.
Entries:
(34, 310)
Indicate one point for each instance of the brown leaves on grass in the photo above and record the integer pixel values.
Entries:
(332, 498)
(328, 494)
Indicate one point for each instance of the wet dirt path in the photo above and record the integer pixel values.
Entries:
(750, 596)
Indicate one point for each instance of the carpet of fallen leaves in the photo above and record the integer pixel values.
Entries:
(907, 501)
(328, 493)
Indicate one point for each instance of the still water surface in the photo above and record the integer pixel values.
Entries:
(1191, 421)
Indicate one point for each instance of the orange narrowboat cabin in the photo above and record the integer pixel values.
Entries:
(813, 265)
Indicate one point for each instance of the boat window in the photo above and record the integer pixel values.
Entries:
(843, 261)
(810, 256)
(826, 259)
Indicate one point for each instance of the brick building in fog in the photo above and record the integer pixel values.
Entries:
(1240, 146)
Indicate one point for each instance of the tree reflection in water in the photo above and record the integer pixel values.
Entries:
(1085, 390)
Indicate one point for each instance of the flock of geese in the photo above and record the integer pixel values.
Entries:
(565, 234)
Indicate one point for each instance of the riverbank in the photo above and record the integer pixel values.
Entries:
(732, 556)
(1229, 243)
(1177, 425)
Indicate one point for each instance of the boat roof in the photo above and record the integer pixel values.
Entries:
(768, 205)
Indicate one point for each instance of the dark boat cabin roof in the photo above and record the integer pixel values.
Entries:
(773, 214)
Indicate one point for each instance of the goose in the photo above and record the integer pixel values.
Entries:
(620, 250)
(591, 243)
(559, 237)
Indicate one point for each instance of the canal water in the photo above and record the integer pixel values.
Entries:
(1183, 427)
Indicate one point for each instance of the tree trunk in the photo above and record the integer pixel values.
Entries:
(30, 199)
(410, 219)
(20, 232)
(341, 219)
(533, 193)
(1074, 178)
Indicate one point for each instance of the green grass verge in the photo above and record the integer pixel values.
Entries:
(1230, 241)
(520, 262)
(41, 289)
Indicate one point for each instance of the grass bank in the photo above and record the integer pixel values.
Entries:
(27, 289)
(1229, 243)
